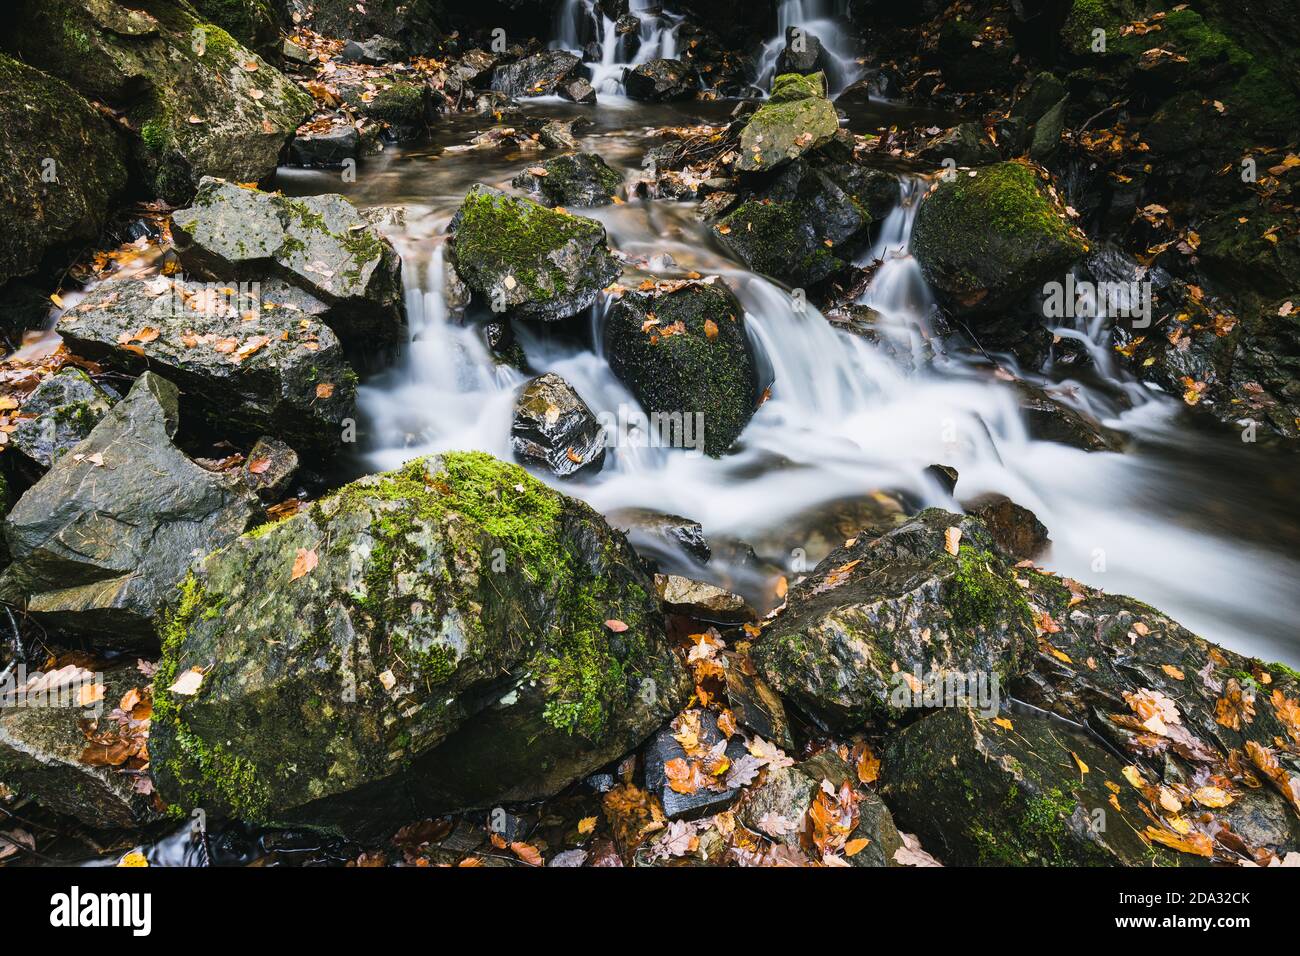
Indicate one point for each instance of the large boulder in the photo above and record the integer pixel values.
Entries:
(660, 81)
(59, 413)
(884, 619)
(62, 744)
(527, 259)
(538, 75)
(582, 179)
(413, 23)
(796, 118)
(553, 428)
(686, 357)
(448, 636)
(319, 244)
(107, 533)
(244, 368)
(61, 168)
(202, 104)
(987, 238)
(251, 22)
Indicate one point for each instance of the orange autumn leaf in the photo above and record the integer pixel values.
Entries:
(1198, 844)
(303, 563)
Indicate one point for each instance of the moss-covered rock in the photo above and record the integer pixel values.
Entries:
(796, 118)
(882, 618)
(986, 238)
(201, 104)
(582, 179)
(59, 413)
(687, 358)
(61, 168)
(251, 22)
(102, 539)
(403, 107)
(424, 640)
(527, 259)
(321, 245)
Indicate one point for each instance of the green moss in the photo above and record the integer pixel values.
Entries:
(978, 596)
(770, 238)
(1284, 670)
(402, 105)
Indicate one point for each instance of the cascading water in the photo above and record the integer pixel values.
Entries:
(583, 27)
(816, 18)
(847, 417)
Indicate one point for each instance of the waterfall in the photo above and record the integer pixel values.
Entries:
(823, 19)
(582, 27)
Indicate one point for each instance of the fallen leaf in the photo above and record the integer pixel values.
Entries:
(303, 563)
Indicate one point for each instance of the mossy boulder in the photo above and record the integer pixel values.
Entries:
(980, 793)
(321, 245)
(881, 620)
(529, 260)
(987, 238)
(582, 179)
(62, 168)
(104, 537)
(796, 118)
(246, 368)
(686, 356)
(200, 103)
(43, 746)
(425, 640)
(403, 107)
(251, 22)
(59, 413)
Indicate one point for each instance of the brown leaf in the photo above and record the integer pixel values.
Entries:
(303, 563)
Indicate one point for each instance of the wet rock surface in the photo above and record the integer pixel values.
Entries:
(58, 414)
(583, 179)
(104, 537)
(554, 428)
(660, 81)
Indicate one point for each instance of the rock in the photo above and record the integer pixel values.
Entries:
(277, 372)
(320, 244)
(538, 263)
(413, 23)
(1048, 419)
(538, 75)
(660, 81)
(554, 429)
(403, 107)
(251, 22)
(328, 149)
(99, 556)
(705, 602)
(987, 238)
(779, 809)
(1182, 710)
(753, 704)
(376, 51)
(577, 90)
(664, 748)
(979, 794)
(203, 104)
(269, 469)
(61, 169)
(690, 364)
(558, 134)
(796, 118)
(1047, 134)
(965, 145)
(878, 620)
(42, 744)
(293, 53)
(1044, 92)
(441, 646)
(945, 475)
(59, 413)
(655, 534)
(1016, 530)
(583, 179)
(803, 53)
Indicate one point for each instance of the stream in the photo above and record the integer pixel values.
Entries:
(1189, 519)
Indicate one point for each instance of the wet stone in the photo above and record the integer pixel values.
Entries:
(555, 429)
(663, 747)
(59, 413)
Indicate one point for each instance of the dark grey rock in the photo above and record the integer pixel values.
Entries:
(538, 75)
(582, 179)
(270, 468)
(660, 81)
(59, 413)
(663, 747)
(375, 51)
(553, 428)
(328, 149)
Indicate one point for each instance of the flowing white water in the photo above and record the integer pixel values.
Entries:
(817, 18)
(579, 22)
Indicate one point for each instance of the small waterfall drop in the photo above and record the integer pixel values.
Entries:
(823, 19)
(582, 27)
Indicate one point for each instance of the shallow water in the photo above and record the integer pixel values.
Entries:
(1189, 519)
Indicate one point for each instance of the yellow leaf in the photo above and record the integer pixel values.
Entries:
(1083, 767)
(1003, 723)
(586, 825)
(952, 540)
(134, 858)
(188, 683)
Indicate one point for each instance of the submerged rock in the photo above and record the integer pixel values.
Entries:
(103, 538)
(535, 262)
(687, 358)
(796, 118)
(320, 244)
(245, 371)
(583, 179)
(654, 533)
(44, 746)
(441, 644)
(59, 413)
(555, 429)
(61, 168)
(660, 81)
(988, 238)
(875, 621)
(203, 105)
